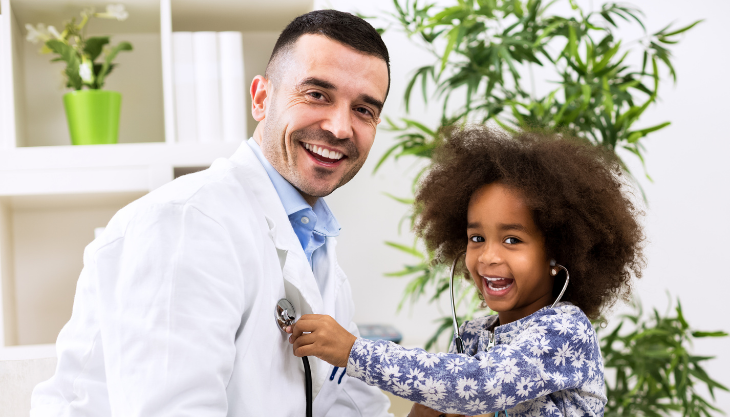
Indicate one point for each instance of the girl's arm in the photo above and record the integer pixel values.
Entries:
(453, 383)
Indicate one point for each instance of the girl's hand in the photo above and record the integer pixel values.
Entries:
(321, 336)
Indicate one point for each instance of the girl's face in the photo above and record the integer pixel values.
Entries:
(506, 254)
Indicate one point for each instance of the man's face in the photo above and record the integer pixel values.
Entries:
(320, 114)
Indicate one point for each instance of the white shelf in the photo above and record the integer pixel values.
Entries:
(139, 167)
(16, 353)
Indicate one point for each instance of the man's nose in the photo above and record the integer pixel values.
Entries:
(339, 122)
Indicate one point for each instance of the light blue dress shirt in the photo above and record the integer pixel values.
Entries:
(312, 225)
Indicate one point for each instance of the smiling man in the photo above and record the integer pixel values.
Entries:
(174, 311)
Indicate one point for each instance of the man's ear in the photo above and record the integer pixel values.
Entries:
(259, 93)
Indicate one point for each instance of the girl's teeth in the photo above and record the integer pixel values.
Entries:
(503, 283)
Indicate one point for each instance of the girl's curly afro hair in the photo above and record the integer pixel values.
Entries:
(575, 191)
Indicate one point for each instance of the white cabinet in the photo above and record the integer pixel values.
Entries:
(52, 194)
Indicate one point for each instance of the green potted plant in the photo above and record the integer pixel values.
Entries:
(650, 367)
(92, 113)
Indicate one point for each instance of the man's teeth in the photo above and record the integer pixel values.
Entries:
(326, 153)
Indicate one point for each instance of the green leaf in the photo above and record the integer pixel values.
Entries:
(122, 46)
(72, 59)
(418, 125)
(385, 156)
(709, 334)
(573, 48)
(637, 134)
(407, 249)
(607, 57)
(452, 37)
(94, 45)
(408, 201)
(681, 30)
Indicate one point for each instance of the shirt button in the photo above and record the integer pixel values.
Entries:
(305, 220)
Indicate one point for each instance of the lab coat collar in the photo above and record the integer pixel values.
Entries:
(293, 201)
(296, 270)
(295, 266)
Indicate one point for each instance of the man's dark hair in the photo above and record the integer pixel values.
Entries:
(339, 26)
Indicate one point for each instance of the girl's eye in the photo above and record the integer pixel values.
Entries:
(477, 239)
(512, 240)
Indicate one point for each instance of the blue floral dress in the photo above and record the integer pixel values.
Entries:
(546, 364)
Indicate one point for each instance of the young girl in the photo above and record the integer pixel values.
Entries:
(527, 210)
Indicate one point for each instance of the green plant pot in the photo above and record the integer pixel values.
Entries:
(93, 116)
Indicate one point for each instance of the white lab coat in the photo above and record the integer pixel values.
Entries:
(174, 309)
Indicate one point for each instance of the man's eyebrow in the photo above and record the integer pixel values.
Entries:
(317, 82)
(372, 101)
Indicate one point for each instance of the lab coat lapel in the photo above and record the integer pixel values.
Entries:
(300, 286)
(295, 267)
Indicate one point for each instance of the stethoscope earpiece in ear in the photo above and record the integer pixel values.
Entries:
(553, 272)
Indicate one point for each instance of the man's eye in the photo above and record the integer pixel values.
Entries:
(316, 95)
(477, 239)
(512, 240)
(364, 110)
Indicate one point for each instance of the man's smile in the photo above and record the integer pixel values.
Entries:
(325, 156)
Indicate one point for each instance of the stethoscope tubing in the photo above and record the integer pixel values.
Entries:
(307, 385)
(457, 337)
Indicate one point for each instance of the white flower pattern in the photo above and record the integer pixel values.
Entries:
(546, 364)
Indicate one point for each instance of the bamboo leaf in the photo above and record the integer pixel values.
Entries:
(452, 37)
(408, 201)
(407, 249)
(709, 334)
(637, 134)
(681, 30)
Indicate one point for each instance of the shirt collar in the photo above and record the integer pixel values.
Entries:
(293, 201)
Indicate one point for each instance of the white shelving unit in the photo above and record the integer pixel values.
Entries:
(52, 194)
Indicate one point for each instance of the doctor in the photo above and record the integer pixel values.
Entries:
(174, 309)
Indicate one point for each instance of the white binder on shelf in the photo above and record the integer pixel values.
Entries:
(186, 127)
(233, 103)
(207, 87)
(4, 141)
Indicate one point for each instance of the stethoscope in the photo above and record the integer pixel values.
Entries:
(285, 315)
(457, 335)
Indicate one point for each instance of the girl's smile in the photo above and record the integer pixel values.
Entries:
(506, 253)
(497, 286)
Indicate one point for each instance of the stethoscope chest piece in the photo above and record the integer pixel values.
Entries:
(284, 314)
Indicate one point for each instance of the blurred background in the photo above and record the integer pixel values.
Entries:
(53, 195)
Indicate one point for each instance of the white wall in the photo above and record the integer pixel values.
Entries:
(687, 219)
